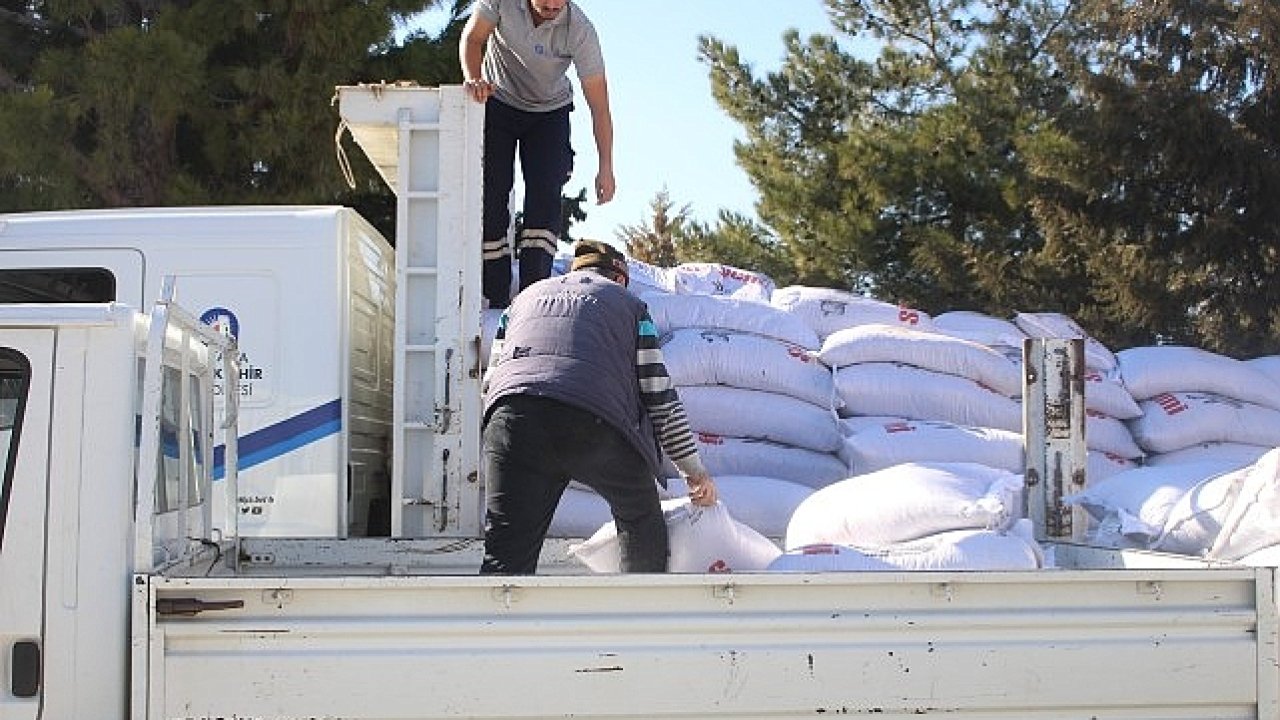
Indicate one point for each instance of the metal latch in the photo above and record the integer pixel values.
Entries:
(188, 607)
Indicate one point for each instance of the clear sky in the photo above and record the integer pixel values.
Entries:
(668, 130)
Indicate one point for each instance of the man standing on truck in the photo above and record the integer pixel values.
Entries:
(576, 390)
(515, 57)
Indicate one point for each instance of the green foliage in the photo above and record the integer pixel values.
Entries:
(1111, 160)
(167, 102)
(571, 212)
(654, 240)
(736, 240)
(1179, 127)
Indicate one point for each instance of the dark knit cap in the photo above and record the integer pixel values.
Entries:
(597, 254)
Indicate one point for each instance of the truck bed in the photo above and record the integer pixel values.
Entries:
(401, 642)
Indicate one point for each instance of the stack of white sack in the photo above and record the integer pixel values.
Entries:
(1192, 508)
(1112, 448)
(701, 540)
(758, 399)
(1193, 399)
(1104, 392)
(897, 372)
(915, 516)
(1203, 422)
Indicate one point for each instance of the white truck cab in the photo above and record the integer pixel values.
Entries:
(90, 396)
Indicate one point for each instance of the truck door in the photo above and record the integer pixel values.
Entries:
(26, 366)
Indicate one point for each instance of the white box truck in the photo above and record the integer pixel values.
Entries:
(119, 597)
(307, 291)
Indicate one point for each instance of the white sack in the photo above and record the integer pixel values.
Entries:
(827, 310)
(968, 550)
(723, 410)
(1229, 456)
(702, 540)
(643, 277)
(980, 328)
(828, 557)
(1196, 519)
(1100, 466)
(673, 312)
(1141, 498)
(1268, 364)
(907, 502)
(1058, 325)
(953, 550)
(1154, 370)
(1172, 421)
(745, 456)
(874, 443)
(1103, 390)
(695, 356)
(877, 342)
(1254, 520)
(1104, 393)
(1265, 557)
(764, 504)
(1107, 434)
(918, 394)
(884, 445)
(717, 279)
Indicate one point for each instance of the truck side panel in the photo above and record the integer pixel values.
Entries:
(26, 362)
(1066, 644)
(67, 511)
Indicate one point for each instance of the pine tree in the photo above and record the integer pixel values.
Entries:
(903, 177)
(1111, 160)
(166, 102)
(1177, 132)
(654, 240)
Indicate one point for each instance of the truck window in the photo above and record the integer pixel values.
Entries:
(57, 285)
(15, 378)
(172, 473)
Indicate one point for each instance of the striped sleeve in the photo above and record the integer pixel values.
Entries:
(661, 401)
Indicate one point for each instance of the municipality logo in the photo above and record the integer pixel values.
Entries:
(222, 320)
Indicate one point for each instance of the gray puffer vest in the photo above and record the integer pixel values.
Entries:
(573, 338)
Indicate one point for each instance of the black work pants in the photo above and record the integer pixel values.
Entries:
(533, 447)
(546, 161)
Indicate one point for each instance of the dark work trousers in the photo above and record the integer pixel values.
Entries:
(546, 161)
(533, 447)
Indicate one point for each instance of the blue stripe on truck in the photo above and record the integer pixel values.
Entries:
(283, 437)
